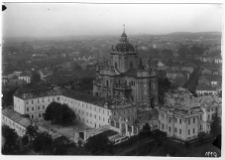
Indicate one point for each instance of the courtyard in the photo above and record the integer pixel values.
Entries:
(67, 131)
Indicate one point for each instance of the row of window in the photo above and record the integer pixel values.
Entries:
(95, 116)
(124, 111)
(87, 121)
(82, 111)
(12, 123)
(177, 120)
(43, 100)
(180, 130)
(38, 108)
(86, 105)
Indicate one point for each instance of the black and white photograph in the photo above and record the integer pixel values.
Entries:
(111, 79)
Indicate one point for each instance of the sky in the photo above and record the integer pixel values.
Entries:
(71, 19)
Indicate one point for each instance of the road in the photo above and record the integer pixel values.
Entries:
(132, 148)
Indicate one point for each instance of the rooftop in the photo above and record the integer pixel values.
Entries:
(83, 97)
(184, 100)
(16, 117)
(206, 88)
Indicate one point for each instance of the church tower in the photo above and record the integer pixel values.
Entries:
(124, 77)
(124, 56)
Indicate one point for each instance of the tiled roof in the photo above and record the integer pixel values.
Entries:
(16, 117)
(206, 88)
(212, 78)
(83, 97)
(23, 74)
(131, 72)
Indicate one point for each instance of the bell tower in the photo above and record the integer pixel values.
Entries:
(124, 56)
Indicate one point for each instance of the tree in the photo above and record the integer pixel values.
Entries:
(42, 143)
(99, 145)
(61, 145)
(163, 86)
(59, 114)
(7, 98)
(35, 77)
(10, 146)
(202, 136)
(25, 140)
(146, 128)
(216, 124)
(79, 143)
(31, 132)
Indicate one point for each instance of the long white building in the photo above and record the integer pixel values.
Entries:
(88, 109)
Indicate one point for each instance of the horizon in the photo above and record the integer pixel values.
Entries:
(68, 20)
(114, 35)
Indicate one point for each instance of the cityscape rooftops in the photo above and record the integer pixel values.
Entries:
(183, 100)
(25, 74)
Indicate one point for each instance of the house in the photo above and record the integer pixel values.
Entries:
(177, 77)
(206, 90)
(15, 82)
(188, 66)
(211, 70)
(212, 81)
(26, 76)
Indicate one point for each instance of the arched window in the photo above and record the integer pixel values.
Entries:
(131, 65)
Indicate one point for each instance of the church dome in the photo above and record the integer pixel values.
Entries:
(124, 35)
(124, 47)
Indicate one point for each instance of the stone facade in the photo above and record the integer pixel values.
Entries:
(124, 75)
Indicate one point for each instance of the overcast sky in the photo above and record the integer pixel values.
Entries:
(69, 19)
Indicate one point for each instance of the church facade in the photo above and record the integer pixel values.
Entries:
(125, 76)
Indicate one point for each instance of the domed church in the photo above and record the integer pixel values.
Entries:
(124, 76)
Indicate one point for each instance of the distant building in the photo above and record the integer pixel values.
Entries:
(26, 76)
(184, 115)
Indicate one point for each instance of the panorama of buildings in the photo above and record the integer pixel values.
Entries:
(124, 98)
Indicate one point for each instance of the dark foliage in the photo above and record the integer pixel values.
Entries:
(158, 133)
(7, 98)
(25, 140)
(59, 114)
(202, 136)
(9, 134)
(146, 128)
(31, 132)
(99, 145)
(61, 145)
(10, 146)
(144, 149)
(42, 143)
(35, 77)
(170, 149)
(216, 124)
(164, 85)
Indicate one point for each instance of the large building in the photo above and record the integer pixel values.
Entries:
(124, 75)
(93, 111)
(184, 116)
